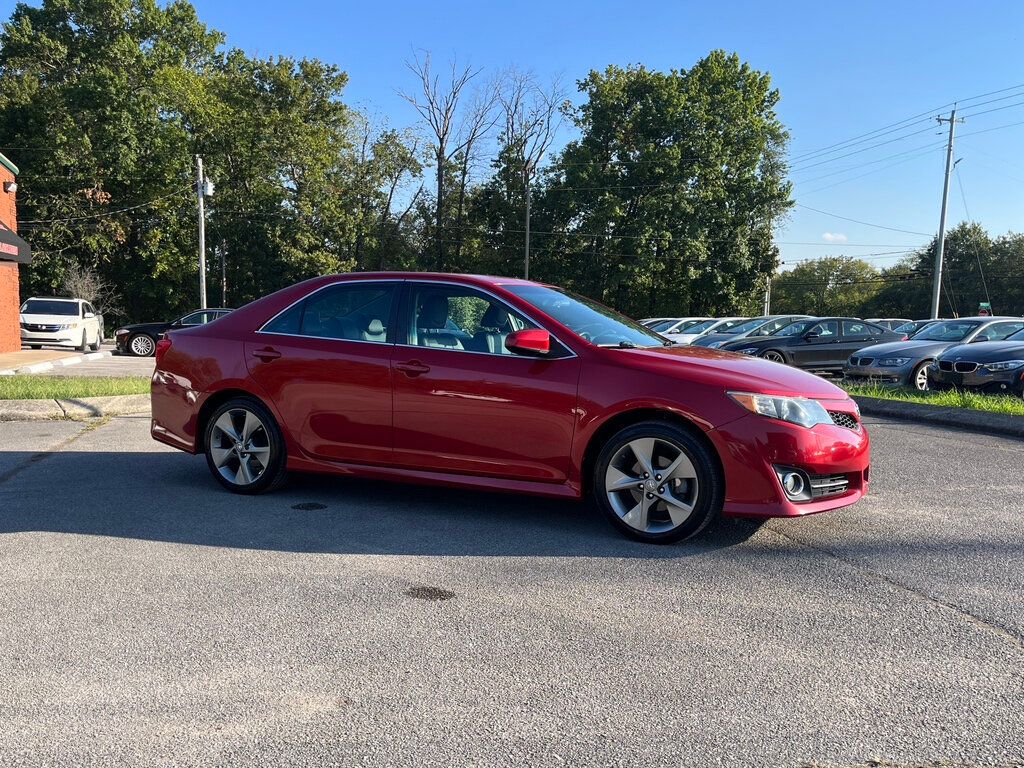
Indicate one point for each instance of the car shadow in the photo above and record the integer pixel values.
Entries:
(170, 497)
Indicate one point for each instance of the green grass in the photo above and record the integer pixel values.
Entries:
(30, 387)
(976, 401)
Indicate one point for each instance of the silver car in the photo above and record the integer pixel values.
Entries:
(905, 363)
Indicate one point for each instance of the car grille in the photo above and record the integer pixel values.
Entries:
(965, 367)
(828, 485)
(41, 328)
(945, 365)
(865, 361)
(844, 419)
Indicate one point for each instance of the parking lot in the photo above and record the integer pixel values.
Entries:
(149, 617)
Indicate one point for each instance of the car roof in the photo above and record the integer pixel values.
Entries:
(54, 298)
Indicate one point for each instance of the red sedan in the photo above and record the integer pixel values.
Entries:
(504, 384)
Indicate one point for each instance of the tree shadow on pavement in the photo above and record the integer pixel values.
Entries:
(164, 496)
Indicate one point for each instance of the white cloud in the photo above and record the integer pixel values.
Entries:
(834, 237)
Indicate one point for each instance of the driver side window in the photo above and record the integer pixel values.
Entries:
(826, 330)
(461, 319)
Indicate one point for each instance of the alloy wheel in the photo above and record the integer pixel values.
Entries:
(652, 485)
(142, 346)
(240, 446)
(774, 357)
(921, 377)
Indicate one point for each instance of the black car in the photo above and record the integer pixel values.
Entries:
(818, 344)
(140, 339)
(996, 367)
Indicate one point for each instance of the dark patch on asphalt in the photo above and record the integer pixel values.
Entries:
(309, 506)
(429, 593)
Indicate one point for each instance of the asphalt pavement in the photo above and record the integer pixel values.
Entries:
(150, 618)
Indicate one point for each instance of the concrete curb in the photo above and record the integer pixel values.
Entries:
(49, 365)
(84, 408)
(962, 418)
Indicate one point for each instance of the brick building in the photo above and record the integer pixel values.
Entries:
(13, 251)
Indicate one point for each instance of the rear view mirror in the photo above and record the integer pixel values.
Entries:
(533, 341)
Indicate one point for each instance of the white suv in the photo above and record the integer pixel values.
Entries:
(61, 323)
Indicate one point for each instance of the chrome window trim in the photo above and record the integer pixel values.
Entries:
(314, 293)
(499, 299)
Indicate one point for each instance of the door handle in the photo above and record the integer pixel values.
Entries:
(266, 354)
(412, 368)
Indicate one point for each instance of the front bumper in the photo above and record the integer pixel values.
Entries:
(71, 337)
(753, 446)
(998, 382)
(878, 374)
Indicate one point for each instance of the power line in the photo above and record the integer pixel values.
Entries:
(106, 213)
(865, 149)
(874, 170)
(974, 244)
(865, 223)
(995, 109)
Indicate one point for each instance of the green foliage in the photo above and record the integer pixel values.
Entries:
(30, 387)
(832, 285)
(976, 401)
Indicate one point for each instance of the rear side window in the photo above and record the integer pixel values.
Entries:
(348, 311)
(999, 331)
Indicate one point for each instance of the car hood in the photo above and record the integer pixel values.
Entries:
(145, 327)
(986, 351)
(49, 319)
(711, 338)
(919, 349)
(735, 372)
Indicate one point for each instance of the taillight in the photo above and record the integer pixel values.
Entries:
(905, 337)
(161, 348)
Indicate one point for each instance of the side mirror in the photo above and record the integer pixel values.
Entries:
(533, 341)
(90, 315)
(981, 338)
(810, 336)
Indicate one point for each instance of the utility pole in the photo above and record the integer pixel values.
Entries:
(526, 255)
(200, 190)
(768, 295)
(940, 247)
(223, 275)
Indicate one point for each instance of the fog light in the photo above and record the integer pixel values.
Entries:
(793, 484)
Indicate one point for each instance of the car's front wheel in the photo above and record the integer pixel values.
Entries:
(774, 356)
(142, 345)
(244, 447)
(919, 378)
(658, 483)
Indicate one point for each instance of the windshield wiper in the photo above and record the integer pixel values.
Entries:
(620, 345)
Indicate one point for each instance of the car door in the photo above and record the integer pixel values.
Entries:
(464, 403)
(326, 363)
(817, 345)
(856, 334)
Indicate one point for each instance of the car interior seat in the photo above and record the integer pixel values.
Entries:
(495, 326)
(430, 324)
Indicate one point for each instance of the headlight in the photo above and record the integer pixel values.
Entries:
(796, 410)
(748, 351)
(1005, 365)
(715, 344)
(121, 332)
(893, 362)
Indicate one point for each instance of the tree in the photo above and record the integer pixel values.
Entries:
(665, 204)
(831, 285)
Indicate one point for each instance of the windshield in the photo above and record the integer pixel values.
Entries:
(662, 325)
(588, 319)
(750, 325)
(794, 329)
(697, 326)
(951, 330)
(50, 307)
(725, 326)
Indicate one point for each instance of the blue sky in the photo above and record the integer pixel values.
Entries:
(843, 69)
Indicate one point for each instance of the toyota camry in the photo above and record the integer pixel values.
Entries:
(503, 384)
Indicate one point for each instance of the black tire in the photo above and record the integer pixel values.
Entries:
(96, 347)
(917, 373)
(85, 342)
(145, 340)
(275, 472)
(770, 354)
(709, 489)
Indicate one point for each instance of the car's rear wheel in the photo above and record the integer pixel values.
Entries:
(774, 356)
(244, 447)
(141, 345)
(658, 483)
(919, 378)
